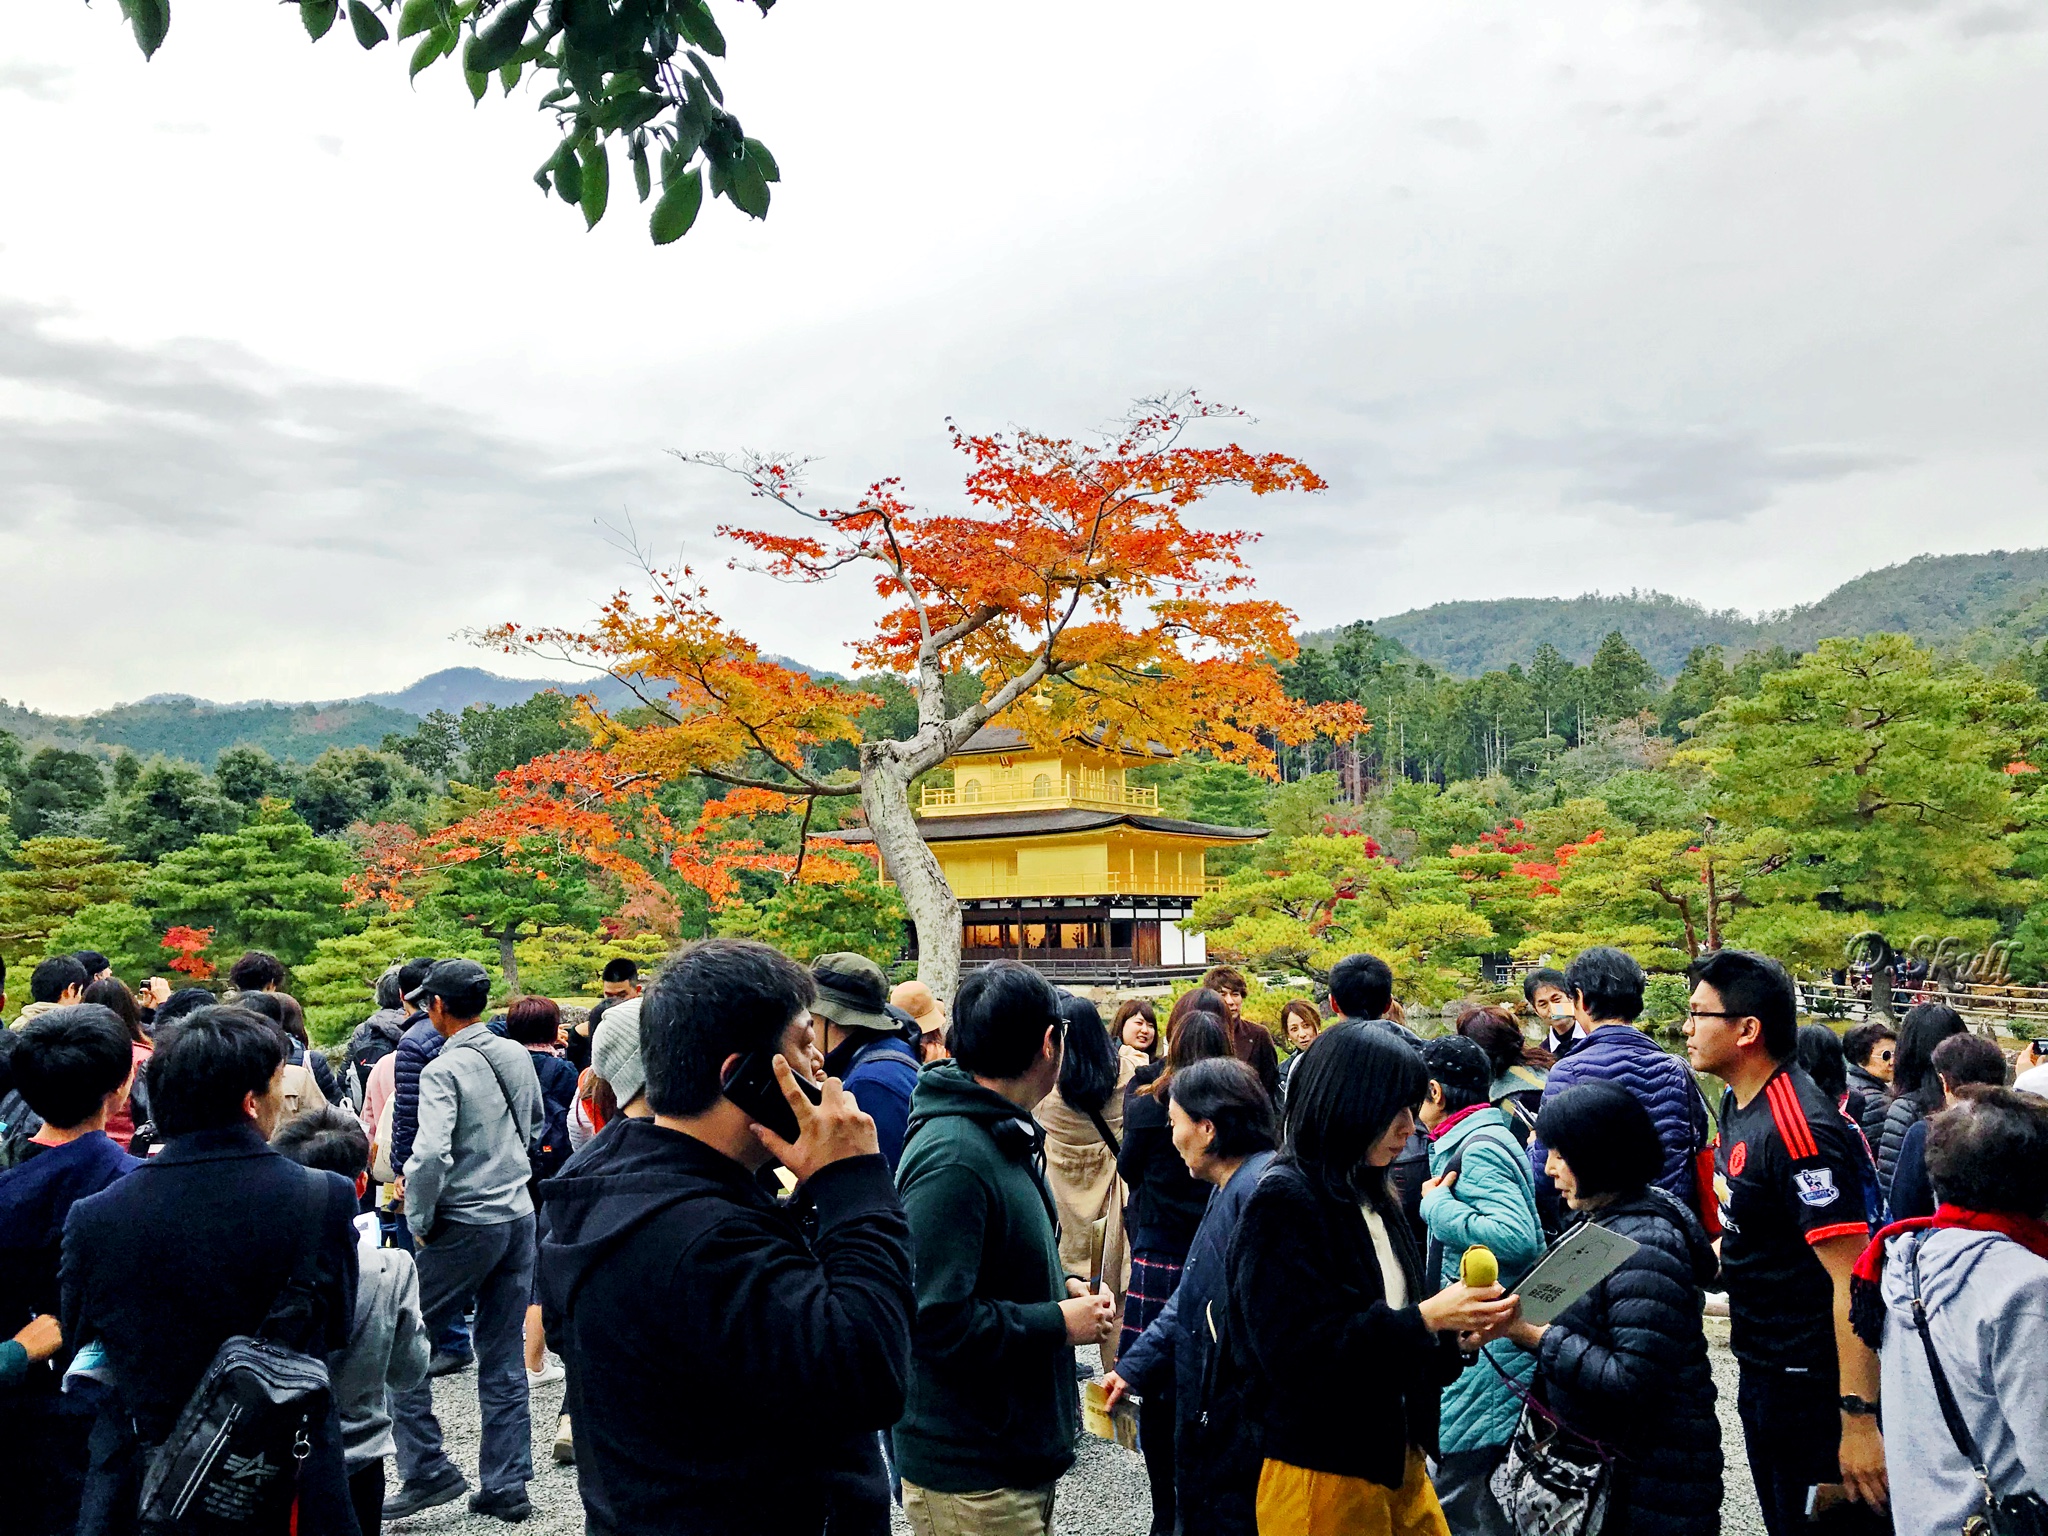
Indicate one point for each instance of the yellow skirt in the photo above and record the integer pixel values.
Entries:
(1294, 1501)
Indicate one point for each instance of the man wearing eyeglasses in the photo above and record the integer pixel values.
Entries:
(1794, 1224)
(1871, 1049)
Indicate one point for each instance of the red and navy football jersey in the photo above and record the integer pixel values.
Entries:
(1796, 1176)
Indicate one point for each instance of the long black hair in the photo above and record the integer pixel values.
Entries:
(1340, 1102)
(1820, 1053)
(1088, 1069)
(1924, 1027)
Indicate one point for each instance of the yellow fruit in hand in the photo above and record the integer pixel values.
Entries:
(1479, 1268)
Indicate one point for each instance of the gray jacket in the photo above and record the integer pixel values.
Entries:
(387, 1347)
(479, 1108)
(1987, 1303)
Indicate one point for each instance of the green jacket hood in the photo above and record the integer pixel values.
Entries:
(945, 1090)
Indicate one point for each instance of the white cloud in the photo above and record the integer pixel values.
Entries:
(1614, 295)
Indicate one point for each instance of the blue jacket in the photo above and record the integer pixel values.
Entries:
(881, 1076)
(1623, 1054)
(35, 1198)
(1492, 1203)
(420, 1044)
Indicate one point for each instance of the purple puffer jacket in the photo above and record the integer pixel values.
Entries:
(1623, 1054)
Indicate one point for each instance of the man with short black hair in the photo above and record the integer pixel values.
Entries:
(1960, 1061)
(257, 971)
(1361, 987)
(1543, 990)
(1794, 1226)
(619, 982)
(470, 1209)
(73, 1067)
(192, 1248)
(1980, 1267)
(696, 1312)
(1606, 988)
(992, 1415)
(57, 982)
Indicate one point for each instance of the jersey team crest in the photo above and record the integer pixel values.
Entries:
(1816, 1186)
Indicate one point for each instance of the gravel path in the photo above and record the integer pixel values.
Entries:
(1104, 1495)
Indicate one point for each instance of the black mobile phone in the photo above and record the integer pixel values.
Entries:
(751, 1084)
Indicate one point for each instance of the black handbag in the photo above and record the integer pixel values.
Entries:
(1553, 1481)
(231, 1464)
(2020, 1514)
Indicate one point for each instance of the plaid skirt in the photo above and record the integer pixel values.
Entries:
(1153, 1279)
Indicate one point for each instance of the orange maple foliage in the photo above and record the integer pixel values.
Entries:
(1071, 583)
(1545, 875)
(188, 944)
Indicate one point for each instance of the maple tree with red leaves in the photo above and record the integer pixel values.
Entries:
(188, 957)
(1071, 584)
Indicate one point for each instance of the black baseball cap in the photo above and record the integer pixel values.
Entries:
(463, 985)
(1457, 1061)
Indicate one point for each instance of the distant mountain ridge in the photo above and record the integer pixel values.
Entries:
(180, 725)
(1941, 599)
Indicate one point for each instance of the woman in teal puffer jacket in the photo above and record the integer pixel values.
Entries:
(1480, 1193)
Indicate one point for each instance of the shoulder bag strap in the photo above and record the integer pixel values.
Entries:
(1943, 1394)
(510, 1108)
(1102, 1129)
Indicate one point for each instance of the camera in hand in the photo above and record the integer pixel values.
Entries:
(751, 1084)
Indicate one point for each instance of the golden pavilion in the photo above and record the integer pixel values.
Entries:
(1059, 861)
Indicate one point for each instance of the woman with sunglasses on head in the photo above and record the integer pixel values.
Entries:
(1345, 1357)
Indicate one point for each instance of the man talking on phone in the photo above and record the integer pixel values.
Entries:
(704, 1322)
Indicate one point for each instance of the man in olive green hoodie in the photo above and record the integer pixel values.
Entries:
(993, 1406)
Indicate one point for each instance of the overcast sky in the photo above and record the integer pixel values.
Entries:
(300, 374)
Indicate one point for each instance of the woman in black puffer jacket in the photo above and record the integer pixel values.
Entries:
(1916, 1086)
(1626, 1364)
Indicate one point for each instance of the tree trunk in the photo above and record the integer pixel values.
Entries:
(508, 962)
(934, 911)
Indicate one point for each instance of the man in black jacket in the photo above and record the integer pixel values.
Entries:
(702, 1321)
(167, 1264)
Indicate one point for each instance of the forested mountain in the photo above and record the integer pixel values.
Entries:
(199, 732)
(1936, 598)
(1482, 636)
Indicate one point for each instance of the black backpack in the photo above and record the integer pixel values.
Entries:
(369, 1048)
(231, 1464)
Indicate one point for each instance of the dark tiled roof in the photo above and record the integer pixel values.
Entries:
(1005, 738)
(944, 829)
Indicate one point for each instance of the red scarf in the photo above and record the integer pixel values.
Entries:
(1442, 1127)
(1866, 1299)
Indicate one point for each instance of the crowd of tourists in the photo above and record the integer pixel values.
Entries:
(804, 1249)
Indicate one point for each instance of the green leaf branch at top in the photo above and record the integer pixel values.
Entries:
(630, 71)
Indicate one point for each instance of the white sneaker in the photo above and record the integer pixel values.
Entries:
(551, 1370)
